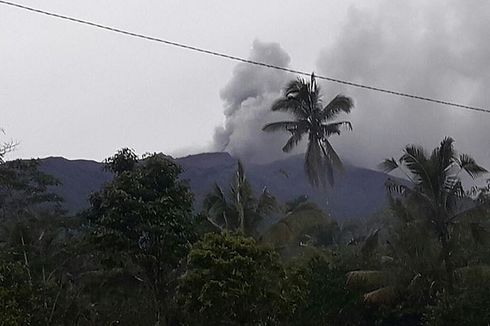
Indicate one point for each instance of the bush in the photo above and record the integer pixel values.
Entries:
(321, 296)
(467, 306)
(232, 280)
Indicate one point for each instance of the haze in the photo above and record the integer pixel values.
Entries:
(79, 92)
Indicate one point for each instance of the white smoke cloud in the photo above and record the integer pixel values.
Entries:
(247, 98)
(437, 49)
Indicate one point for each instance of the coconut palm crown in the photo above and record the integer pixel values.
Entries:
(238, 209)
(302, 98)
(436, 178)
(436, 189)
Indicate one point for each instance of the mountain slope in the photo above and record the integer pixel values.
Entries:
(357, 192)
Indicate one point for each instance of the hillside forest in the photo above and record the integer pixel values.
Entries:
(142, 254)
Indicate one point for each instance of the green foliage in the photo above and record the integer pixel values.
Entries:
(24, 190)
(124, 160)
(16, 295)
(436, 197)
(34, 253)
(322, 297)
(238, 209)
(230, 280)
(141, 224)
(306, 225)
(142, 209)
(468, 306)
(130, 258)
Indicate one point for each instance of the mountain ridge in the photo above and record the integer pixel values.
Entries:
(357, 193)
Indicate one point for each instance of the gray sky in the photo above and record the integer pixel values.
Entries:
(79, 92)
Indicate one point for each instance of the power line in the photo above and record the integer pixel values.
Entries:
(239, 59)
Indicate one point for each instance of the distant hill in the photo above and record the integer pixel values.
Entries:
(79, 178)
(357, 193)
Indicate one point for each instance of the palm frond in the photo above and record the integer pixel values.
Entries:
(454, 193)
(456, 190)
(446, 154)
(388, 165)
(383, 296)
(242, 194)
(266, 203)
(292, 141)
(394, 187)
(334, 128)
(366, 279)
(370, 244)
(415, 160)
(327, 167)
(400, 209)
(291, 105)
(281, 125)
(216, 206)
(332, 156)
(468, 164)
(313, 163)
(216, 200)
(339, 104)
(295, 87)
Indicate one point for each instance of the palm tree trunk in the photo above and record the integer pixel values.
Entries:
(241, 216)
(241, 213)
(159, 321)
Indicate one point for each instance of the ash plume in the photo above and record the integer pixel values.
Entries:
(436, 49)
(247, 99)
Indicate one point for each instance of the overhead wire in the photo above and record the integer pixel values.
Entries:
(247, 61)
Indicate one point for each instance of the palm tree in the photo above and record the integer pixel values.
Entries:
(302, 98)
(436, 190)
(238, 209)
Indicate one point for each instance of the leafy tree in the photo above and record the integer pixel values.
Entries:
(303, 100)
(403, 273)
(429, 235)
(324, 298)
(42, 246)
(124, 160)
(24, 202)
(436, 192)
(468, 305)
(230, 280)
(17, 298)
(34, 234)
(25, 190)
(142, 226)
(303, 225)
(239, 209)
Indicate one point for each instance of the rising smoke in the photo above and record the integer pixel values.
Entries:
(247, 99)
(437, 49)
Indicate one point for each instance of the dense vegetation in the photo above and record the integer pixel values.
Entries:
(140, 255)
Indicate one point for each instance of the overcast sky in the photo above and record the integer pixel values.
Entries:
(75, 91)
